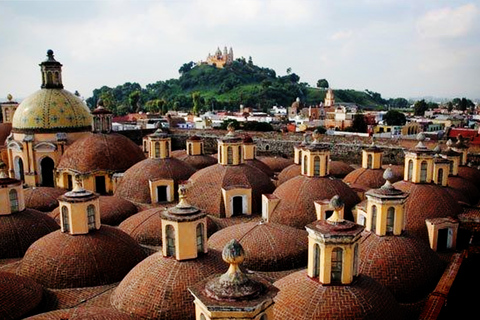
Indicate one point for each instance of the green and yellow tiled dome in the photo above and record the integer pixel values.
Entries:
(52, 110)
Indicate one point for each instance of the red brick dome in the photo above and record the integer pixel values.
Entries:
(403, 264)
(296, 207)
(339, 169)
(426, 201)
(134, 185)
(145, 227)
(470, 173)
(101, 152)
(198, 161)
(19, 230)
(44, 199)
(268, 246)
(365, 178)
(18, 295)
(465, 187)
(83, 313)
(5, 129)
(157, 287)
(261, 166)
(205, 190)
(277, 164)
(303, 298)
(60, 260)
(113, 210)
(288, 173)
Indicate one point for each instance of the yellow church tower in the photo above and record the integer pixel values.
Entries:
(315, 158)
(329, 98)
(419, 162)
(333, 248)
(230, 148)
(195, 146)
(158, 145)
(234, 294)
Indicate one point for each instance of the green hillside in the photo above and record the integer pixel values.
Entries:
(204, 87)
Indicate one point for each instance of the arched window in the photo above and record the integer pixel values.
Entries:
(202, 316)
(410, 170)
(440, 176)
(423, 171)
(229, 155)
(390, 219)
(190, 149)
(200, 237)
(305, 164)
(91, 217)
(170, 233)
(13, 196)
(316, 260)
(374, 219)
(264, 317)
(167, 149)
(64, 218)
(369, 161)
(337, 261)
(202, 148)
(355, 260)
(240, 153)
(451, 167)
(157, 149)
(316, 166)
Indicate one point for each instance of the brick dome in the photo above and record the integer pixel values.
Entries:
(268, 246)
(145, 227)
(5, 130)
(303, 298)
(18, 296)
(288, 173)
(19, 230)
(365, 178)
(277, 164)
(337, 169)
(134, 185)
(465, 187)
(205, 190)
(426, 201)
(60, 260)
(261, 166)
(403, 264)
(157, 287)
(101, 152)
(113, 210)
(44, 199)
(83, 313)
(296, 207)
(470, 173)
(198, 161)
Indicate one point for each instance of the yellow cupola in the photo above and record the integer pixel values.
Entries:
(195, 146)
(102, 119)
(333, 248)
(372, 157)
(441, 168)
(11, 193)
(230, 148)
(461, 147)
(184, 229)
(454, 157)
(419, 162)
(386, 208)
(79, 210)
(159, 145)
(315, 158)
(8, 109)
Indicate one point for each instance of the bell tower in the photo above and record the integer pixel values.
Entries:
(333, 248)
(51, 72)
(102, 119)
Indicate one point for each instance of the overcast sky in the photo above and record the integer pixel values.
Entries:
(399, 48)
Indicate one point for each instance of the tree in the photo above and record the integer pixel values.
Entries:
(134, 100)
(420, 107)
(394, 118)
(186, 67)
(289, 70)
(398, 103)
(358, 124)
(196, 99)
(323, 83)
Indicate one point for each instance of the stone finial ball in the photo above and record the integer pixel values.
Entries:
(233, 252)
(388, 174)
(336, 202)
(421, 136)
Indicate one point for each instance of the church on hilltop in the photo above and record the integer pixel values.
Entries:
(219, 59)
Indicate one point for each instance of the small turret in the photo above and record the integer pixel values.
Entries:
(51, 72)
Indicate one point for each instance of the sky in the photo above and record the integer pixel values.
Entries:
(399, 48)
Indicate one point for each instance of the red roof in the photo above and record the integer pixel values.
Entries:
(471, 134)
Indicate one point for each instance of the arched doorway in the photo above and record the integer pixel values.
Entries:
(19, 173)
(46, 171)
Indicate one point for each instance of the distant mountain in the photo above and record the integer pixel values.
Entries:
(239, 83)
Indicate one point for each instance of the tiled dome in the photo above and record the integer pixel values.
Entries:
(426, 201)
(268, 246)
(276, 164)
(113, 210)
(145, 227)
(365, 178)
(134, 185)
(261, 166)
(60, 260)
(43, 199)
(5, 129)
(296, 207)
(18, 296)
(19, 230)
(205, 190)
(101, 152)
(470, 173)
(52, 110)
(288, 173)
(198, 161)
(157, 287)
(83, 313)
(337, 169)
(303, 298)
(465, 187)
(403, 264)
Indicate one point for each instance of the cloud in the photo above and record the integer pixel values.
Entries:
(341, 35)
(448, 22)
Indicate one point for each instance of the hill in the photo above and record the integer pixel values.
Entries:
(206, 87)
